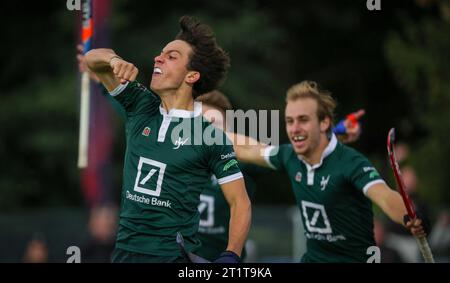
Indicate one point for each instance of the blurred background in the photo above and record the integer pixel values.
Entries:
(394, 63)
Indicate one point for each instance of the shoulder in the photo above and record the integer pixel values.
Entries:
(287, 148)
(284, 151)
(140, 87)
(137, 86)
(346, 153)
(354, 163)
(278, 157)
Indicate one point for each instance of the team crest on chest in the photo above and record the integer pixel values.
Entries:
(324, 182)
(298, 177)
(180, 142)
(146, 131)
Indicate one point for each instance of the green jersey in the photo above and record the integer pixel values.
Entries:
(215, 214)
(335, 211)
(168, 162)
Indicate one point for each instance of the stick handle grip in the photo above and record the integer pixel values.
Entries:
(425, 249)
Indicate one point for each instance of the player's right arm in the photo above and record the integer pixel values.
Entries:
(248, 150)
(392, 204)
(111, 69)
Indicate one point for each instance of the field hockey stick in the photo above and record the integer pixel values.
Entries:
(86, 36)
(421, 241)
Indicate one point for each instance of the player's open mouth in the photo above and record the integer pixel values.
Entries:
(299, 140)
(157, 71)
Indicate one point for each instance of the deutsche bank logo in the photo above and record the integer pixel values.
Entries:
(206, 209)
(147, 173)
(316, 218)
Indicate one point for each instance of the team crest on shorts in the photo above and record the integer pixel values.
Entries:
(298, 177)
(146, 131)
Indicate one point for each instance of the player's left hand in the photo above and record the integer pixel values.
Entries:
(353, 132)
(349, 129)
(228, 257)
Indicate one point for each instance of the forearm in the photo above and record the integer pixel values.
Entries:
(98, 60)
(109, 68)
(247, 149)
(239, 225)
(389, 201)
(394, 207)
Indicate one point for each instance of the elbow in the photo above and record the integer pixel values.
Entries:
(97, 59)
(242, 205)
(245, 212)
(90, 59)
(248, 205)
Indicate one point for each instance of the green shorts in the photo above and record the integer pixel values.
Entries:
(123, 256)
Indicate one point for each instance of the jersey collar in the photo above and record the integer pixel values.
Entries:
(328, 150)
(181, 113)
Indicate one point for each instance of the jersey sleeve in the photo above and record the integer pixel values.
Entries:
(276, 156)
(136, 99)
(114, 103)
(361, 173)
(222, 161)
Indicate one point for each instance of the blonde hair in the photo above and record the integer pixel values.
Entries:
(310, 89)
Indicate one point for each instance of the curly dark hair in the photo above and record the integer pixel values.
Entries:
(208, 58)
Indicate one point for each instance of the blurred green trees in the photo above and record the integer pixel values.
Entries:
(419, 58)
(392, 62)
